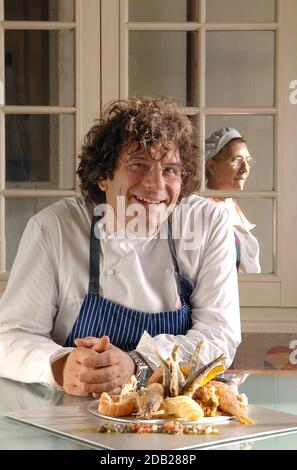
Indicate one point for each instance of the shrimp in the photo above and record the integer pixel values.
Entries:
(149, 400)
(231, 403)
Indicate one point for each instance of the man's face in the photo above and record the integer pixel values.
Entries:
(146, 184)
(229, 170)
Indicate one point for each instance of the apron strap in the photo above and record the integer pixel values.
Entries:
(172, 248)
(185, 285)
(94, 258)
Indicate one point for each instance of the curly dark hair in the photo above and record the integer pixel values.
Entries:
(145, 120)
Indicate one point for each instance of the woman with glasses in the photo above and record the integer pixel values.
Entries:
(228, 164)
(136, 262)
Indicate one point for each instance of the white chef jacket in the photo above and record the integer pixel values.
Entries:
(50, 275)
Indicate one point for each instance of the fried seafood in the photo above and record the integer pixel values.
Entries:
(177, 377)
(166, 381)
(208, 400)
(213, 397)
(183, 407)
(181, 391)
(231, 403)
(129, 387)
(175, 382)
(116, 405)
(203, 376)
(193, 365)
(149, 400)
(243, 401)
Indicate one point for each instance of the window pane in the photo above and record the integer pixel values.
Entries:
(194, 120)
(268, 351)
(260, 212)
(40, 151)
(240, 11)
(164, 62)
(258, 131)
(17, 213)
(39, 10)
(240, 68)
(163, 10)
(39, 68)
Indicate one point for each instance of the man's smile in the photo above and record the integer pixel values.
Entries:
(143, 199)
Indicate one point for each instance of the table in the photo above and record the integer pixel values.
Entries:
(274, 390)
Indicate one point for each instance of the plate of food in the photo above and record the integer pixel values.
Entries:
(93, 409)
(177, 392)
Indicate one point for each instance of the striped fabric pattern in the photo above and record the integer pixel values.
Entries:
(99, 316)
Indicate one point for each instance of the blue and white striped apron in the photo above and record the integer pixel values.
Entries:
(99, 316)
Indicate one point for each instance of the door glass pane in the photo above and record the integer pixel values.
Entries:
(164, 63)
(163, 10)
(253, 11)
(40, 151)
(194, 120)
(39, 10)
(17, 213)
(258, 131)
(240, 11)
(39, 68)
(260, 212)
(240, 68)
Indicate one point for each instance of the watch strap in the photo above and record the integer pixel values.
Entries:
(142, 369)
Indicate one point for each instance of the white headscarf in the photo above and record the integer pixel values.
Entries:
(218, 140)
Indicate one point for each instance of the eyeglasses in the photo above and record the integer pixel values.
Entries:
(237, 162)
(170, 171)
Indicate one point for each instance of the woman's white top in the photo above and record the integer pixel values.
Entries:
(249, 246)
(50, 275)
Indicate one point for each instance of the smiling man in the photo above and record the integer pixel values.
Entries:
(99, 287)
(147, 184)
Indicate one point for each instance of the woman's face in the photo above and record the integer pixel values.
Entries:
(229, 169)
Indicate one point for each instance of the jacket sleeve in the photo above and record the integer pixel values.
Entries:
(27, 311)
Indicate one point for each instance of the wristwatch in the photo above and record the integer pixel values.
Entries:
(142, 369)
